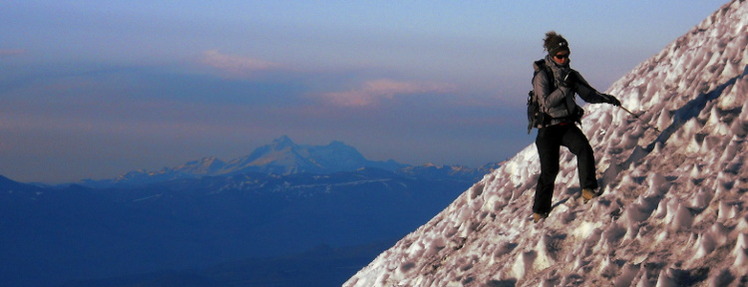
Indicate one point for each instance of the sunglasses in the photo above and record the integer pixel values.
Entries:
(562, 56)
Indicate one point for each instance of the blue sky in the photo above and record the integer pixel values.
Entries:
(92, 89)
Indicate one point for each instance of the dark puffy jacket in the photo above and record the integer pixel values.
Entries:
(557, 99)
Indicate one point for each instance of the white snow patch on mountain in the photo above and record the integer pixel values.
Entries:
(675, 206)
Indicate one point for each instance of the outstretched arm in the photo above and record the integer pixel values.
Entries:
(589, 94)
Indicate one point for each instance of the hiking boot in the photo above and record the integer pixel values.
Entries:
(588, 194)
(538, 216)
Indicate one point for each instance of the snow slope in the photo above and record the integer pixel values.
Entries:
(675, 206)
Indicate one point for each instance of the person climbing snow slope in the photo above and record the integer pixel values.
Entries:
(555, 85)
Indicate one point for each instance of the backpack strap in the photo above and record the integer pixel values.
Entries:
(535, 114)
(539, 66)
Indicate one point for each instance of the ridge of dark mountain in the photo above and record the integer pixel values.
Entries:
(75, 233)
(320, 266)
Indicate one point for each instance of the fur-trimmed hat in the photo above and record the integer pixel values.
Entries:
(554, 43)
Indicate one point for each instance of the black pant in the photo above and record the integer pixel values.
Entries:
(549, 142)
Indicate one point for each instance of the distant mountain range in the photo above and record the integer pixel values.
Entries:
(281, 199)
(282, 157)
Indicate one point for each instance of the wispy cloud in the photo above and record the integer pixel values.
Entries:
(11, 52)
(234, 65)
(374, 91)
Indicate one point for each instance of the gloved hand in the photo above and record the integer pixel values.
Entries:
(611, 100)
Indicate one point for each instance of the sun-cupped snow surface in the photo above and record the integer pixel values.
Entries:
(674, 211)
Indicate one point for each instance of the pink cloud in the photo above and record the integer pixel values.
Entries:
(372, 92)
(236, 65)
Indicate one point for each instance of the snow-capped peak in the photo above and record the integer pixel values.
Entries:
(284, 156)
(674, 210)
(203, 166)
(283, 142)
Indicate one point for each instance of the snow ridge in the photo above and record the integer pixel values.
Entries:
(675, 206)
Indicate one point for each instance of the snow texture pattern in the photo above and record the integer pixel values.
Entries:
(674, 211)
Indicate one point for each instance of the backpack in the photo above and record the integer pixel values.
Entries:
(535, 117)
